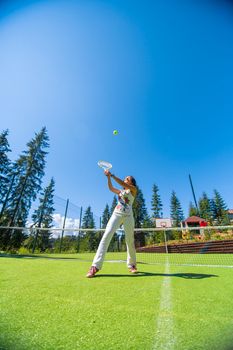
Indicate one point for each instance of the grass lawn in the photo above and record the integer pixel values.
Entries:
(48, 303)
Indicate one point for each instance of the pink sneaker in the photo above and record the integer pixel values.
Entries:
(133, 269)
(93, 270)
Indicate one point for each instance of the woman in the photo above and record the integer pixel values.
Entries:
(123, 214)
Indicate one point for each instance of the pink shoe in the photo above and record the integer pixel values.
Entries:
(93, 270)
(133, 269)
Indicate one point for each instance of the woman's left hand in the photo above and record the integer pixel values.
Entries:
(107, 172)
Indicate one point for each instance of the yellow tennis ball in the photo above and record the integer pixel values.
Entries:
(115, 132)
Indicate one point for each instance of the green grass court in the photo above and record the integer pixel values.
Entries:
(172, 303)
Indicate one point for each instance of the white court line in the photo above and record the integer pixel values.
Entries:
(165, 337)
(173, 264)
(205, 265)
(139, 262)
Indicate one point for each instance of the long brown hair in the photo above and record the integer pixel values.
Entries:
(133, 181)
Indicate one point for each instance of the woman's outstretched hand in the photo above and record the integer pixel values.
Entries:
(107, 173)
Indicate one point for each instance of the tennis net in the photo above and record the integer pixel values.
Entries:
(194, 246)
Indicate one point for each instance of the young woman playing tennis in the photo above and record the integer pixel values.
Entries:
(123, 214)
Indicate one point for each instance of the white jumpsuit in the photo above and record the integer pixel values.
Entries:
(123, 214)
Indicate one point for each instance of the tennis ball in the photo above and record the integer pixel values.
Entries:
(115, 132)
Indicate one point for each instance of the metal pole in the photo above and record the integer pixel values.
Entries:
(79, 226)
(165, 241)
(67, 203)
(194, 197)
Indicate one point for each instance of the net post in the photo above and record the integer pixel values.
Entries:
(67, 203)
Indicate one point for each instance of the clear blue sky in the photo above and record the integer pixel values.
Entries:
(161, 72)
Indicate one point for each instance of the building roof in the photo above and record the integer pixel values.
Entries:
(194, 219)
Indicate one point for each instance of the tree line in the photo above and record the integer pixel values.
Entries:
(213, 210)
(21, 185)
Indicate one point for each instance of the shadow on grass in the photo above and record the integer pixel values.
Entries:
(28, 256)
(151, 274)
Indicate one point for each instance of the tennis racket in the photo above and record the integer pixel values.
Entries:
(104, 165)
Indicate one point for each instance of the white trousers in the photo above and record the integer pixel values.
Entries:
(114, 223)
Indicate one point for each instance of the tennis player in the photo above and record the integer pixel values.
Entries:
(122, 214)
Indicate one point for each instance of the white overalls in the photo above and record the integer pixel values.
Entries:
(123, 214)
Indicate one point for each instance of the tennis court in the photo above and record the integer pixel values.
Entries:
(176, 301)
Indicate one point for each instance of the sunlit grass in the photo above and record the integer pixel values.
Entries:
(48, 303)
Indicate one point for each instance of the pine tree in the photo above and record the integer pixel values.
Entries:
(156, 203)
(88, 222)
(5, 166)
(43, 217)
(193, 210)
(147, 222)
(140, 216)
(205, 208)
(139, 209)
(176, 210)
(219, 209)
(106, 216)
(88, 219)
(30, 169)
(113, 206)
